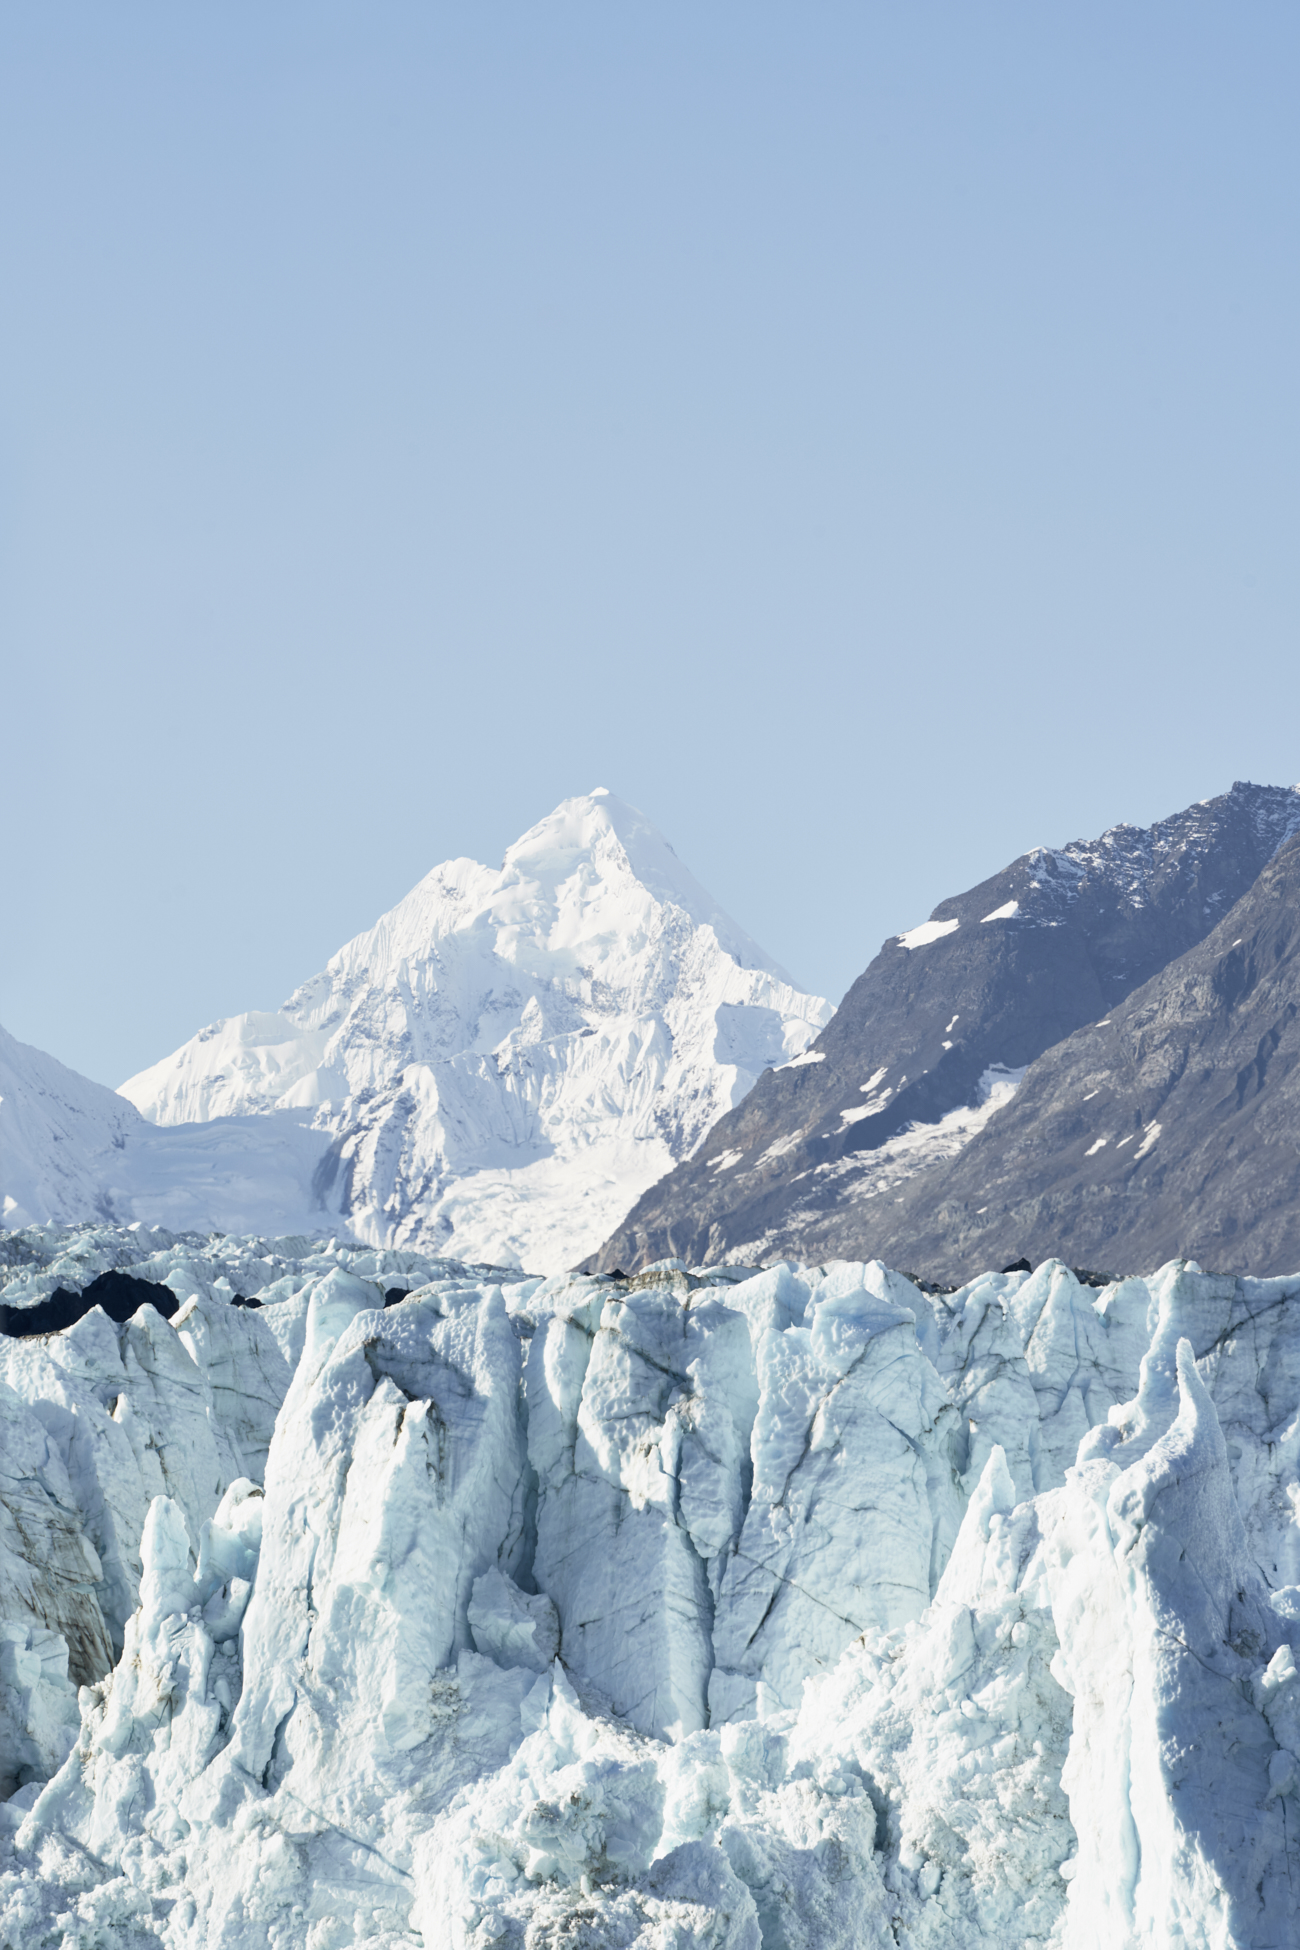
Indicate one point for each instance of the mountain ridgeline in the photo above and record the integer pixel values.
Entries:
(902, 1133)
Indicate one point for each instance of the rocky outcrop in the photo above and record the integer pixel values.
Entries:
(931, 1042)
(1169, 1126)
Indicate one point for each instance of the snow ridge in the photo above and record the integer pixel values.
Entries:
(71, 1149)
(497, 1068)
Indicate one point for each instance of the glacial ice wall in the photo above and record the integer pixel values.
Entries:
(792, 1607)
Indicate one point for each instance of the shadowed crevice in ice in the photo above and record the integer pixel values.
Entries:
(118, 1294)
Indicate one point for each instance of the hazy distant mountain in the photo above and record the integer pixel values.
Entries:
(62, 1138)
(511, 1055)
(932, 1040)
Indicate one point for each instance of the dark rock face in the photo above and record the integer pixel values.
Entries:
(1170, 1130)
(894, 1090)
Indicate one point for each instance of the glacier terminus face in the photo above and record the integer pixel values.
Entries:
(423, 1603)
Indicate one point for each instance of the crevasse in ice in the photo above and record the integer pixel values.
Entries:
(792, 1607)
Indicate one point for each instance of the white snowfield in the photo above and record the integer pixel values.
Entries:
(506, 1061)
(785, 1608)
(69, 1147)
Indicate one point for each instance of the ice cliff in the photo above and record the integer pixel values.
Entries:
(422, 1604)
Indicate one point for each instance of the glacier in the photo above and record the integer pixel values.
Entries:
(71, 1148)
(357, 1595)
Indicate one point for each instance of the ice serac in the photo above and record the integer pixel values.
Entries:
(130, 1416)
(239, 1358)
(891, 1137)
(641, 1404)
(1035, 1361)
(853, 1506)
(49, 1570)
(1167, 1645)
(129, 1411)
(794, 1609)
(960, 1730)
(409, 1423)
(295, 1660)
(723, 1469)
(508, 1057)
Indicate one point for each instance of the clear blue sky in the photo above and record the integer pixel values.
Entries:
(863, 436)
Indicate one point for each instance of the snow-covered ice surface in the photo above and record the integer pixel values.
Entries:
(70, 1149)
(789, 1607)
(510, 1057)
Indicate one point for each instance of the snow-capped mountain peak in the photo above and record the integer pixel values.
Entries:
(507, 1054)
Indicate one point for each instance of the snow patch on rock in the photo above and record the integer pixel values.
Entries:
(928, 931)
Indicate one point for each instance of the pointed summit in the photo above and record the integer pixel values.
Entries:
(507, 1058)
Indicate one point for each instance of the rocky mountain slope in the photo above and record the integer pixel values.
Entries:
(932, 1040)
(731, 1610)
(1176, 1118)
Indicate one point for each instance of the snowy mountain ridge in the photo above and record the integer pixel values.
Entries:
(1133, 860)
(508, 1058)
